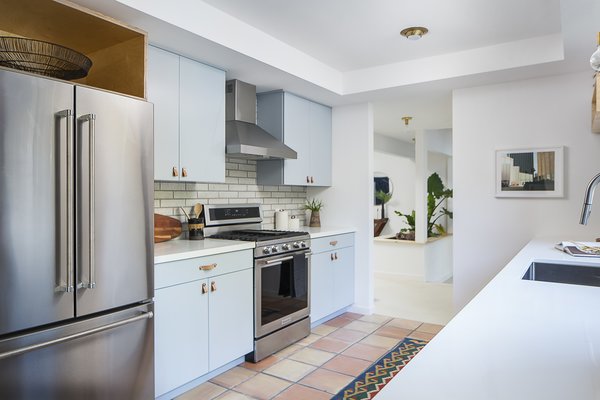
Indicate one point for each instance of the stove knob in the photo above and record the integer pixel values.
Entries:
(274, 249)
(266, 250)
(285, 247)
(302, 244)
(296, 245)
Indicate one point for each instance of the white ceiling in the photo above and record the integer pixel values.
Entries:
(349, 51)
(356, 34)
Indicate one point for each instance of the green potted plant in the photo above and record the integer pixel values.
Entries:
(437, 193)
(314, 206)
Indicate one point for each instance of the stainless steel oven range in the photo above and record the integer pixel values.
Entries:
(281, 275)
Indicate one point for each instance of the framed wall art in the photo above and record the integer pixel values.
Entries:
(535, 172)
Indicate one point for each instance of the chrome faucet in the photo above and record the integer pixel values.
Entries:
(587, 202)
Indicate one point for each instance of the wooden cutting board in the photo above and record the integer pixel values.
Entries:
(165, 228)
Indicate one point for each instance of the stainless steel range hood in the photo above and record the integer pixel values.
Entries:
(244, 138)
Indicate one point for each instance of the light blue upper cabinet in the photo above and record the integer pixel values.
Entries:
(303, 125)
(189, 118)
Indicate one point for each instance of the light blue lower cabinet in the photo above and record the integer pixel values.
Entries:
(203, 324)
(332, 275)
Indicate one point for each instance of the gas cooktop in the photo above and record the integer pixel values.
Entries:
(258, 235)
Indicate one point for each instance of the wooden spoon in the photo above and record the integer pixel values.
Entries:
(198, 209)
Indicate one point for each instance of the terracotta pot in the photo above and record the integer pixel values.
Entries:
(315, 219)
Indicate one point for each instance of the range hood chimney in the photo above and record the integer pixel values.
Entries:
(244, 138)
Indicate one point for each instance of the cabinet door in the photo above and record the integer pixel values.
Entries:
(343, 277)
(231, 317)
(321, 286)
(202, 122)
(163, 91)
(320, 144)
(181, 335)
(296, 135)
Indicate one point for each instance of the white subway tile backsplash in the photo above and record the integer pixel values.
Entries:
(240, 187)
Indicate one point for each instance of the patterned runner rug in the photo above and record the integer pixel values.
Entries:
(369, 383)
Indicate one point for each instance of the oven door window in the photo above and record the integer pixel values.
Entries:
(284, 288)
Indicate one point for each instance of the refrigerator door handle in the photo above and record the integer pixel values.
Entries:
(26, 349)
(67, 256)
(91, 120)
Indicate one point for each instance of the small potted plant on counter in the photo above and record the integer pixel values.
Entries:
(314, 206)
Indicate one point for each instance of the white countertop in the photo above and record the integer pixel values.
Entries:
(175, 250)
(326, 231)
(517, 340)
(181, 249)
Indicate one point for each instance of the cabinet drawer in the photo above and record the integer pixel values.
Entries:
(176, 272)
(329, 243)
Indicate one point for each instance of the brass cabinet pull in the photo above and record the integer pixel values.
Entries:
(208, 267)
(333, 243)
(336, 255)
(204, 288)
(184, 172)
(175, 172)
(307, 179)
(213, 286)
(331, 255)
(311, 180)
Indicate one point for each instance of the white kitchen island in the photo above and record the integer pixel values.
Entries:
(517, 340)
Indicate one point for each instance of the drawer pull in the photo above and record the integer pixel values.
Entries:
(213, 286)
(333, 242)
(208, 267)
(204, 288)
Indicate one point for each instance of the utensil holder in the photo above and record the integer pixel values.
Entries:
(196, 228)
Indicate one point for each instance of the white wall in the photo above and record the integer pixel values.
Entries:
(488, 231)
(349, 202)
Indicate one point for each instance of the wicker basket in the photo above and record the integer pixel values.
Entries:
(43, 58)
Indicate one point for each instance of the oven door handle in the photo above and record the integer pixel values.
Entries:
(282, 259)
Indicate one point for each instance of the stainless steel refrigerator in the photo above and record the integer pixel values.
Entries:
(76, 242)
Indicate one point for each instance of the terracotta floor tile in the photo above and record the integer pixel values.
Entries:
(231, 395)
(312, 356)
(290, 370)
(206, 391)
(376, 319)
(364, 352)
(309, 339)
(351, 315)
(331, 345)
(262, 387)
(404, 323)
(380, 341)
(421, 335)
(348, 335)
(261, 365)
(233, 377)
(299, 392)
(430, 328)
(339, 322)
(361, 326)
(347, 365)
(323, 330)
(288, 351)
(392, 332)
(326, 380)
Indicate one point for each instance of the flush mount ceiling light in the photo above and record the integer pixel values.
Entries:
(414, 32)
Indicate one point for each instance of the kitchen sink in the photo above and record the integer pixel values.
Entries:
(563, 273)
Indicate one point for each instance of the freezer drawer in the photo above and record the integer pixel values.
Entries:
(107, 357)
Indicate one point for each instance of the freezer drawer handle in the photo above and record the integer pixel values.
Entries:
(68, 287)
(26, 349)
(91, 120)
